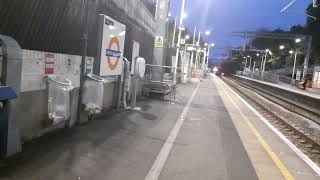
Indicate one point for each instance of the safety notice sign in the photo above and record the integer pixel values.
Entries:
(158, 42)
(113, 39)
(49, 64)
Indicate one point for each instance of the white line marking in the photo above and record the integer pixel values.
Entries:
(304, 157)
(163, 155)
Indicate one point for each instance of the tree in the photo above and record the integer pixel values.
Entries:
(313, 28)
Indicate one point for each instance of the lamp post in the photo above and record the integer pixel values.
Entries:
(245, 66)
(265, 61)
(250, 59)
(182, 16)
(207, 32)
(296, 53)
(208, 55)
(174, 32)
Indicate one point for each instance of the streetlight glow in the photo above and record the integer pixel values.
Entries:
(207, 32)
(281, 47)
(212, 44)
(205, 44)
(187, 37)
(291, 52)
(258, 54)
(298, 40)
(184, 15)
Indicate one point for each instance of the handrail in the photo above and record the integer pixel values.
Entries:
(153, 65)
(95, 77)
(51, 78)
(161, 82)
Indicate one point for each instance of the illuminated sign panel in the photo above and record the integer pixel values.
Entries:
(113, 39)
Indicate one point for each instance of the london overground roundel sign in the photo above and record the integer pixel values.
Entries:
(113, 53)
(113, 39)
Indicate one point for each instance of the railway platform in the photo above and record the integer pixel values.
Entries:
(209, 132)
(311, 92)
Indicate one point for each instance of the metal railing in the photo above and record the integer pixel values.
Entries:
(266, 76)
(167, 78)
(137, 10)
(288, 70)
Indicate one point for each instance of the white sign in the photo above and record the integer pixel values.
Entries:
(190, 48)
(298, 76)
(135, 54)
(183, 41)
(113, 39)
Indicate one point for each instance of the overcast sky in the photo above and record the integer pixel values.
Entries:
(226, 16)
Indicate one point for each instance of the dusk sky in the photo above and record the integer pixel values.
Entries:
(223, 17)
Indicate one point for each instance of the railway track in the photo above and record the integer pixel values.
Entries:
(288, 104)
(291, 124)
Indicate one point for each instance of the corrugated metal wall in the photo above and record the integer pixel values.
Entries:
(58, 25)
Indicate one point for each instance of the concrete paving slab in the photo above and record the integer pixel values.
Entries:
(121, 145)
(264, 166)
(212, 147)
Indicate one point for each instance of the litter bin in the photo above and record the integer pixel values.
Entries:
(92, 96)
(59, 98)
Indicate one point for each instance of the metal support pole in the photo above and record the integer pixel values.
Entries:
(204, 58)
(209, 47)
(261, 64)
(180, 32)
(82, 73)
(193, 43)
(198, 54)
(294, 68)
(245, 66)
(253, 69)
(306, 59)
(174, 32)
(264, 66)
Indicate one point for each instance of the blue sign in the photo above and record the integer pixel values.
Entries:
(113, 53)
(7, 93)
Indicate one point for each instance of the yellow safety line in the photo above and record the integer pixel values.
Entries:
(273, 156)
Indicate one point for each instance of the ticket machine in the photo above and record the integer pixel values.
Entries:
(10, 80)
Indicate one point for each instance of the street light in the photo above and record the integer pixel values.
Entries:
(211, 45)
(184, 15)
(294, 63)
(298, 40)
(187, 37)
(182, 28)
(258, 54)
(206, 44)
(207, 32)
(281, 47)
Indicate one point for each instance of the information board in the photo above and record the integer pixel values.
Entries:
(298, 76)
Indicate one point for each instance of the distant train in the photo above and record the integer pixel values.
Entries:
(218, 71)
